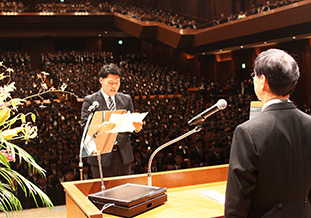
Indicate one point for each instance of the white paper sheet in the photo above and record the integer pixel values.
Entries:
(215, 196)
(124, 122)
(89, 145)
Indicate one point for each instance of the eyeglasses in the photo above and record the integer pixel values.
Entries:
(253, 74)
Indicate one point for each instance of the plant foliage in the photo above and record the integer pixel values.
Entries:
(14, 126)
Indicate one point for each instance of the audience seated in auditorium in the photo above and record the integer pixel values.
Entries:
(141, 12)
(13, 6)
(269, 5)
(57, 146)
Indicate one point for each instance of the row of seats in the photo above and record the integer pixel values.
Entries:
(140, 12)
(57, 146)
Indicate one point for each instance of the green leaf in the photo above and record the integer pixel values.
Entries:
(13, 120)
(4, 161)
(8, 201)
(27, 187)
(23, 155)
(33, 117)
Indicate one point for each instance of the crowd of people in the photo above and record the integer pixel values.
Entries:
(57, 146)
(13, 6)
(62, 67)
(141, 78)
(144, 13)
(255, 9)
(26, 79)
(141, 12)
(64, 7)
(56, 149)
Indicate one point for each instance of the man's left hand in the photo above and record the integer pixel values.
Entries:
(138, 126)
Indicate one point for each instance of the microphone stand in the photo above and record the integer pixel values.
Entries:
(82, 143)
(196, 129)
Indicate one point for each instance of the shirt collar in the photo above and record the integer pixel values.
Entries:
(274, 101)
(106, 96)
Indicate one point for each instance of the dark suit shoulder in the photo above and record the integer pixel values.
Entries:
(269, 115)
(124, 101)
(304, 115)
(258, 120)
(92, 96)
(123, 95)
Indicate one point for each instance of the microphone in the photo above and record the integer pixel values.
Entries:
(220, 105)
(93, 106)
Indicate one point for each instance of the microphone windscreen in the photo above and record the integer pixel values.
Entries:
(96, 104)
(221, 104)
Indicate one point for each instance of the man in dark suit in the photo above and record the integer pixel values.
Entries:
(198, 152)
(269, 169)
(118, 162)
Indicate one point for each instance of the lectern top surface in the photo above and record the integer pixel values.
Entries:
(127, 194)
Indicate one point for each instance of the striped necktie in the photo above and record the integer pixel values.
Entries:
(111, 105)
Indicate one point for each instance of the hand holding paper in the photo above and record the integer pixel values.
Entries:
(101, 135)
(105, 127)
(127, 122)
(138, 126)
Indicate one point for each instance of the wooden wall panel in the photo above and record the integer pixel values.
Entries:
(224, 72)
(168, 56)
(223, 7)
(94, 45)
(246, 56)
(208, 67)
(193, 9)
(300, 50)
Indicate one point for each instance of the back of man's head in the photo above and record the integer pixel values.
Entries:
(109, 69)
(280, 69)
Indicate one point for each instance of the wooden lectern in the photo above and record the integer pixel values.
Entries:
(184, 189)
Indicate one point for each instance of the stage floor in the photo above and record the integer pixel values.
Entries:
(56, 212)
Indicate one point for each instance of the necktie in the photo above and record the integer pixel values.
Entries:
(111, 105)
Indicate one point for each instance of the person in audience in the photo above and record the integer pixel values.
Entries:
(198, 152)
(179, 162)
(59, 130)
(47, 189)
(241, 15)
(216, 156)
(86, 172)
(68, 177)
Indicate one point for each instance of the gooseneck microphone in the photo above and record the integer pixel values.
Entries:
(93, 106)
(220, 105)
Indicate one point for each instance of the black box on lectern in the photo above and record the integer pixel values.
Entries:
(129, 199)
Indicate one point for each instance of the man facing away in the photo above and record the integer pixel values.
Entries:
(118, 162)
(270, 162)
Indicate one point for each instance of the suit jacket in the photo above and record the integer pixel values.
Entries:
(270, 165)
(123, 102)
(194, 154)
